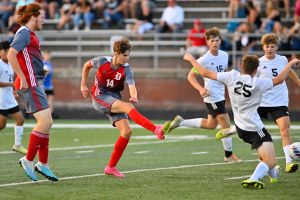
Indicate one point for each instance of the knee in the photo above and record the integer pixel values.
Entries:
(20, 122)
(126, 133)
(285, 132)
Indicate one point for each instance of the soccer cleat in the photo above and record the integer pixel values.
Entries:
(232, 159)
(28, 168)
(45, 171)
(255, 184)
(224, 133)
(278, 171)
(175, 123)
(161, 129)
(19, 149)
(113, 171)
(291, 168)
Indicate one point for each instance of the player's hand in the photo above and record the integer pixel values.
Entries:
(16, 95)
(23, 85)
(204, 93)
(188, 57)
(85, 91)
(133, 100)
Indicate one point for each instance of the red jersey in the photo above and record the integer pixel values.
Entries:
(108, 79)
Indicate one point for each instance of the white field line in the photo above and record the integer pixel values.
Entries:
(100, 146)
(199, 153)
(142, 152)
(87, 151)
(126, 172)
(87, 126)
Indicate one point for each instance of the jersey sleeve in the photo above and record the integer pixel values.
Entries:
(21, 40)
(264, 83)
(225, 77)
(129, 75)
(98, 61)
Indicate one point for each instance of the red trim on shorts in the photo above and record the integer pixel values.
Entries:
(36, 100)
(102, 103)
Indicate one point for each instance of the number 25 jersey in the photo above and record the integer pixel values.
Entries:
(245, 94)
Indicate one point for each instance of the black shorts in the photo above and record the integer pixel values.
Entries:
(217, 108)
(275, 112)
(49, 92)
(9, 111)
(254, 138)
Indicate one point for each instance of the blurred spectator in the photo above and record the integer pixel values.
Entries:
(144, 16)
(295, 39)
(297, 11)
(98, 7)
(6, 10)
(83, 10)
(283, 36)
(273, 15)
(24, 2)
(253, 15)
(49, 89)
(113, 14)
(133, 7)
(196, 43)
(243, 39)
(66, 12)
(237, 9)
(51, 7)
(172, 18)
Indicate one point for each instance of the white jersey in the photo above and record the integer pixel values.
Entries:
(213, 63)
(7, 99)
(278, 95)
(245, 94)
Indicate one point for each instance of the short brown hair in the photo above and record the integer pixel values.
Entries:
(121, 46)
(250, 64)
(212, 33)
(27, 11)
(270, 38)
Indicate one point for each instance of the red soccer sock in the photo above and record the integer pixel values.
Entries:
(44, 149)
(35, 142)
(141, 120)
(119, 148)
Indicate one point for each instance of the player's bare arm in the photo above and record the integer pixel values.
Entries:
(192, 78)
(285, 72)
(85, 74)
(293, 75)
(203, 71)
(12, 57)
(2, 84)
(133, 93)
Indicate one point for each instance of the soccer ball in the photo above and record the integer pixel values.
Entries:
(295, 150)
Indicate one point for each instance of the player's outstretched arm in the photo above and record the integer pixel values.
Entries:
(192, 78)
(293, 75)
(133, 93)
(285, 72)
(203, 71)
(84, 76)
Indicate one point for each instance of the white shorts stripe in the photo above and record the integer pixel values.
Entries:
(29, 67)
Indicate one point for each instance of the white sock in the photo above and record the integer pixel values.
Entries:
(18, 135)
(273, 173)
(191, 123)
(260, 171)
(227, 143)
(288, 158)
(232, 129)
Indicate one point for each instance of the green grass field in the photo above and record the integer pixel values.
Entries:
(187, 165)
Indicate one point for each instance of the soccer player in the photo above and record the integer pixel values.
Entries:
(26, 59)
(8, 103)
(112, 73)
(212, 93)
(275, 101)
(245, 92)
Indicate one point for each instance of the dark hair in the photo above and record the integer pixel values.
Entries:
(249, 64)
(4, 45)
(121, 46)
(27, 11)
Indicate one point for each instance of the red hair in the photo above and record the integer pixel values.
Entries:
(27, 11)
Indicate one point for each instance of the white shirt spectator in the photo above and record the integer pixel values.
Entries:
(173, 15)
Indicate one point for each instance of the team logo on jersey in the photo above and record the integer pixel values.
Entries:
(264, 67)
(211, 63)
(118, 76)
